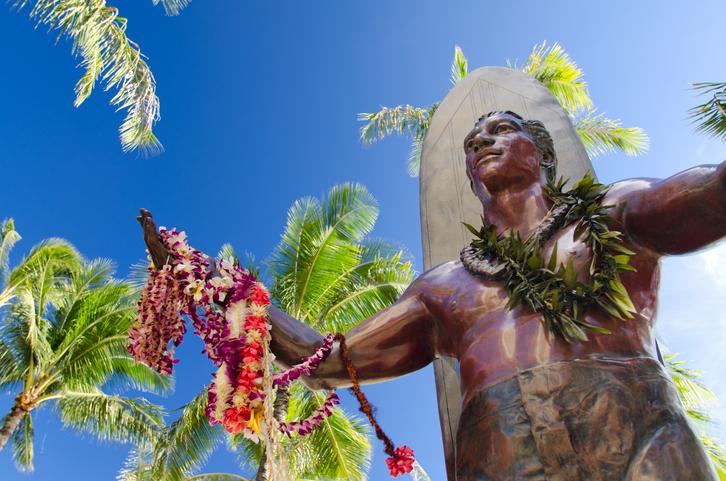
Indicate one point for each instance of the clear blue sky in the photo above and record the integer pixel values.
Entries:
(259, 103)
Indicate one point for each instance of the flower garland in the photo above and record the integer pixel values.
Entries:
(549, 289)
(229, 311)
(233, 325)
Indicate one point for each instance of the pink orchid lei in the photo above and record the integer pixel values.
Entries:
(233, 325)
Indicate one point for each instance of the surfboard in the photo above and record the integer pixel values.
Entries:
(446, 198)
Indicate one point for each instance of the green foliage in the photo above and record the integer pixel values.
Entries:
(401, 120)
(8, 238)
(553, 290)
(173, 7)
(98, 36)
(459, 67)
(63, 342)
(695, 397)
(551, 66)
(186, 444)
(338, 450)
(600, 135)
(323, 271)
(554, 68)
(710, 116)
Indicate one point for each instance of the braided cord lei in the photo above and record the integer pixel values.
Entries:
(228, 308)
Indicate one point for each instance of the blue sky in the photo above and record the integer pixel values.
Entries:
(259, 104)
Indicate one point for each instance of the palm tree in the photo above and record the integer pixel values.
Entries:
(555, 70)
(328, 274)
(63, 336)
(108, 56)
(695, 397)
(710, 116)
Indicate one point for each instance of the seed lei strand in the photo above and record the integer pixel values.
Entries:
(551, 290)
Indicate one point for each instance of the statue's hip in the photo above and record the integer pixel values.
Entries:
(593, 419)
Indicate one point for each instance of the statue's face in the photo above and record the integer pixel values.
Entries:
(500, 155)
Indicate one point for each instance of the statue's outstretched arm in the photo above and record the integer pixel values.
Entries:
(392, 342)
(677, 215)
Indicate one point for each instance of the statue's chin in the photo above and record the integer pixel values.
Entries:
(494, 180)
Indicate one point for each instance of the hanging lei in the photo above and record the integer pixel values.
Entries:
(228, 308)
(553, 291)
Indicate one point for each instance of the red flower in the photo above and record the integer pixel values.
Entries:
(401, 462)
(259, 295)
(235, 419)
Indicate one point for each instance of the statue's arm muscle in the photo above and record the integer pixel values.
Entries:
(677, 215)
(392, 342)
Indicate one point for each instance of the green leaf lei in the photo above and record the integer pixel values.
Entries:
(549, 289)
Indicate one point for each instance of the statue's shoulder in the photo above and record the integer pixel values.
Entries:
(624, 191)
(621, 190)
(448, 274)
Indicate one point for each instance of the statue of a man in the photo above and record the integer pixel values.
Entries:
(535, 405)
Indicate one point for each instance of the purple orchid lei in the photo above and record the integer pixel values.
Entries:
(228, 308)
(306, 426)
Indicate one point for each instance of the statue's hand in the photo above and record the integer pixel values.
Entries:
(159, 253)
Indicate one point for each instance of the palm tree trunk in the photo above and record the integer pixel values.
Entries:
(279, 412)
(11, 422)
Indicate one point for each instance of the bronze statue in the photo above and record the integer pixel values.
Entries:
(535, 405)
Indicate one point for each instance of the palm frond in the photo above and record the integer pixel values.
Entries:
(137, 465)
(99, 37)
(44, 272)
(402, 119)
(131, 374)
(23, 444)
(81, 281)
(413, 164)
(717, 452)
(414, 155)
(173, 7)
(113, 418)
(186, 443)
(138, 274)
(710, 116)
(374, 285)
(693, 393)
(459, 66)
(8, 238)
(318, 243)
(600, 135)
(26, 333)
(554, 68)
(227, 252)
(10, 369)
(338, 450)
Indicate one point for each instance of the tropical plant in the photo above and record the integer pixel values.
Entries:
(554, 68)
(63, 338)
(710, 116)
(98, 36)
(695, 398)
(328, 274)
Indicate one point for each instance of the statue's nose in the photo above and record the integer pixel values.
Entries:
(479, 141)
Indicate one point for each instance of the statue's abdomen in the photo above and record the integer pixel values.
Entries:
(593, 419)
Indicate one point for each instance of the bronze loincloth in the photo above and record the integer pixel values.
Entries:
(582, 420)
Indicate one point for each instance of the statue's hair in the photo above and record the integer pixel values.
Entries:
(542, 140)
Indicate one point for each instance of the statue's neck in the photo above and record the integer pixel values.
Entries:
(520, 210)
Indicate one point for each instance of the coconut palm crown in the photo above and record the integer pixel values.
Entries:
(63, 335)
